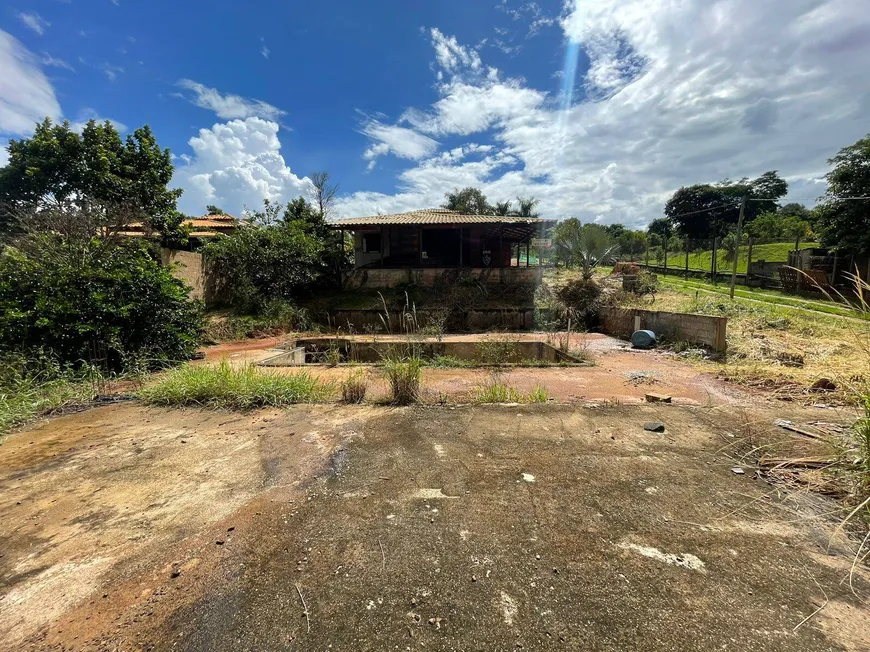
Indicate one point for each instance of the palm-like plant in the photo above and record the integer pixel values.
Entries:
(503, 208)
(587, 245)
(527, 206)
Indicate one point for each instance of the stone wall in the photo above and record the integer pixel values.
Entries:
(376, 277)
(675, 326)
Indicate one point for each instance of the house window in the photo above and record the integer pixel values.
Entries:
(371, 243)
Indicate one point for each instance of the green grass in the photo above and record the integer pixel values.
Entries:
(495, 390)
(29, 399)
(235, 388)
(776, 252)
(772, 297)
(403, 376)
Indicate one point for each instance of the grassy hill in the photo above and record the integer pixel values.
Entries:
(776, 252)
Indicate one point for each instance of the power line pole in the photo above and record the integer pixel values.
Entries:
(737, 245)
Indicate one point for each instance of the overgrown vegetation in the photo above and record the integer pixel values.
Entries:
(497, 390)
(403, 375)
(353, 388)
(34, 387)
(83, 300)
(241, 387)
(276, 318)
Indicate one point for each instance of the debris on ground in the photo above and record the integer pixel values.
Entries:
(654, 426)
(657, 398)
(737, 470)
(788, 425)
(640, 377)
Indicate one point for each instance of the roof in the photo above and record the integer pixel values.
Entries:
(199, 225)
(435, 216)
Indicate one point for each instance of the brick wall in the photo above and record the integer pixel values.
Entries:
(675, 326)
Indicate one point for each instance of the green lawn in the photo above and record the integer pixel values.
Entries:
(688, 286)
(776, 252)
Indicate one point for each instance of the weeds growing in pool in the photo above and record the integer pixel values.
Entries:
(238, 388)
(496, 390)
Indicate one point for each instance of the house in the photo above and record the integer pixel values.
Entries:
(430, 246)
(208, 226)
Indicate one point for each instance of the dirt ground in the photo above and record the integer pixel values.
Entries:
(372, 528)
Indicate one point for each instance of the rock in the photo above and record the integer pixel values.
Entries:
(657, 398)
(824, 385)
(737, 470)
(654, 426)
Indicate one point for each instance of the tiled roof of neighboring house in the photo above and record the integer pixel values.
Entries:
(201, 227)
(434, 216)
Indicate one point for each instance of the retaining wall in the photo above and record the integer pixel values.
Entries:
(482, 319)
(675, 326)
(377, 277)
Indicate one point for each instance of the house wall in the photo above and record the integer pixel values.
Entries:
(675, 326)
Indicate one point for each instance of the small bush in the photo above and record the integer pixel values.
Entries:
(539, 395)
(496, 351)
(353, 388)
(404, 379)
(448, 362)
(581, 298)
(237, 388)
(496, 392)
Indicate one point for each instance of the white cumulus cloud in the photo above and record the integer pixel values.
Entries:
(403, 142)
(237, 164)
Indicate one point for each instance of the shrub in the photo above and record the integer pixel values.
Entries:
(539, 395)
(403, 376)
(278, 317)
(353, 388)
(239, 388)
(111, 304)
(496, 350)
(581, 298)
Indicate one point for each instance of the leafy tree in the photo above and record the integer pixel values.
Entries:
(615, 230)
(844, 224)
(76, 299)
(58, 167)
(211, 209)
(781, 226)
(710, 210)
(661, 227)
(281, 253)
(468, 201)
(632, 243)
(527, 207)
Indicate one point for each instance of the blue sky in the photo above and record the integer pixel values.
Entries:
(402, 101)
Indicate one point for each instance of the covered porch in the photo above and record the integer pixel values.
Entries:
(442, 239)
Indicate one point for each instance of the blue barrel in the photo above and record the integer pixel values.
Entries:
(643, 339)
